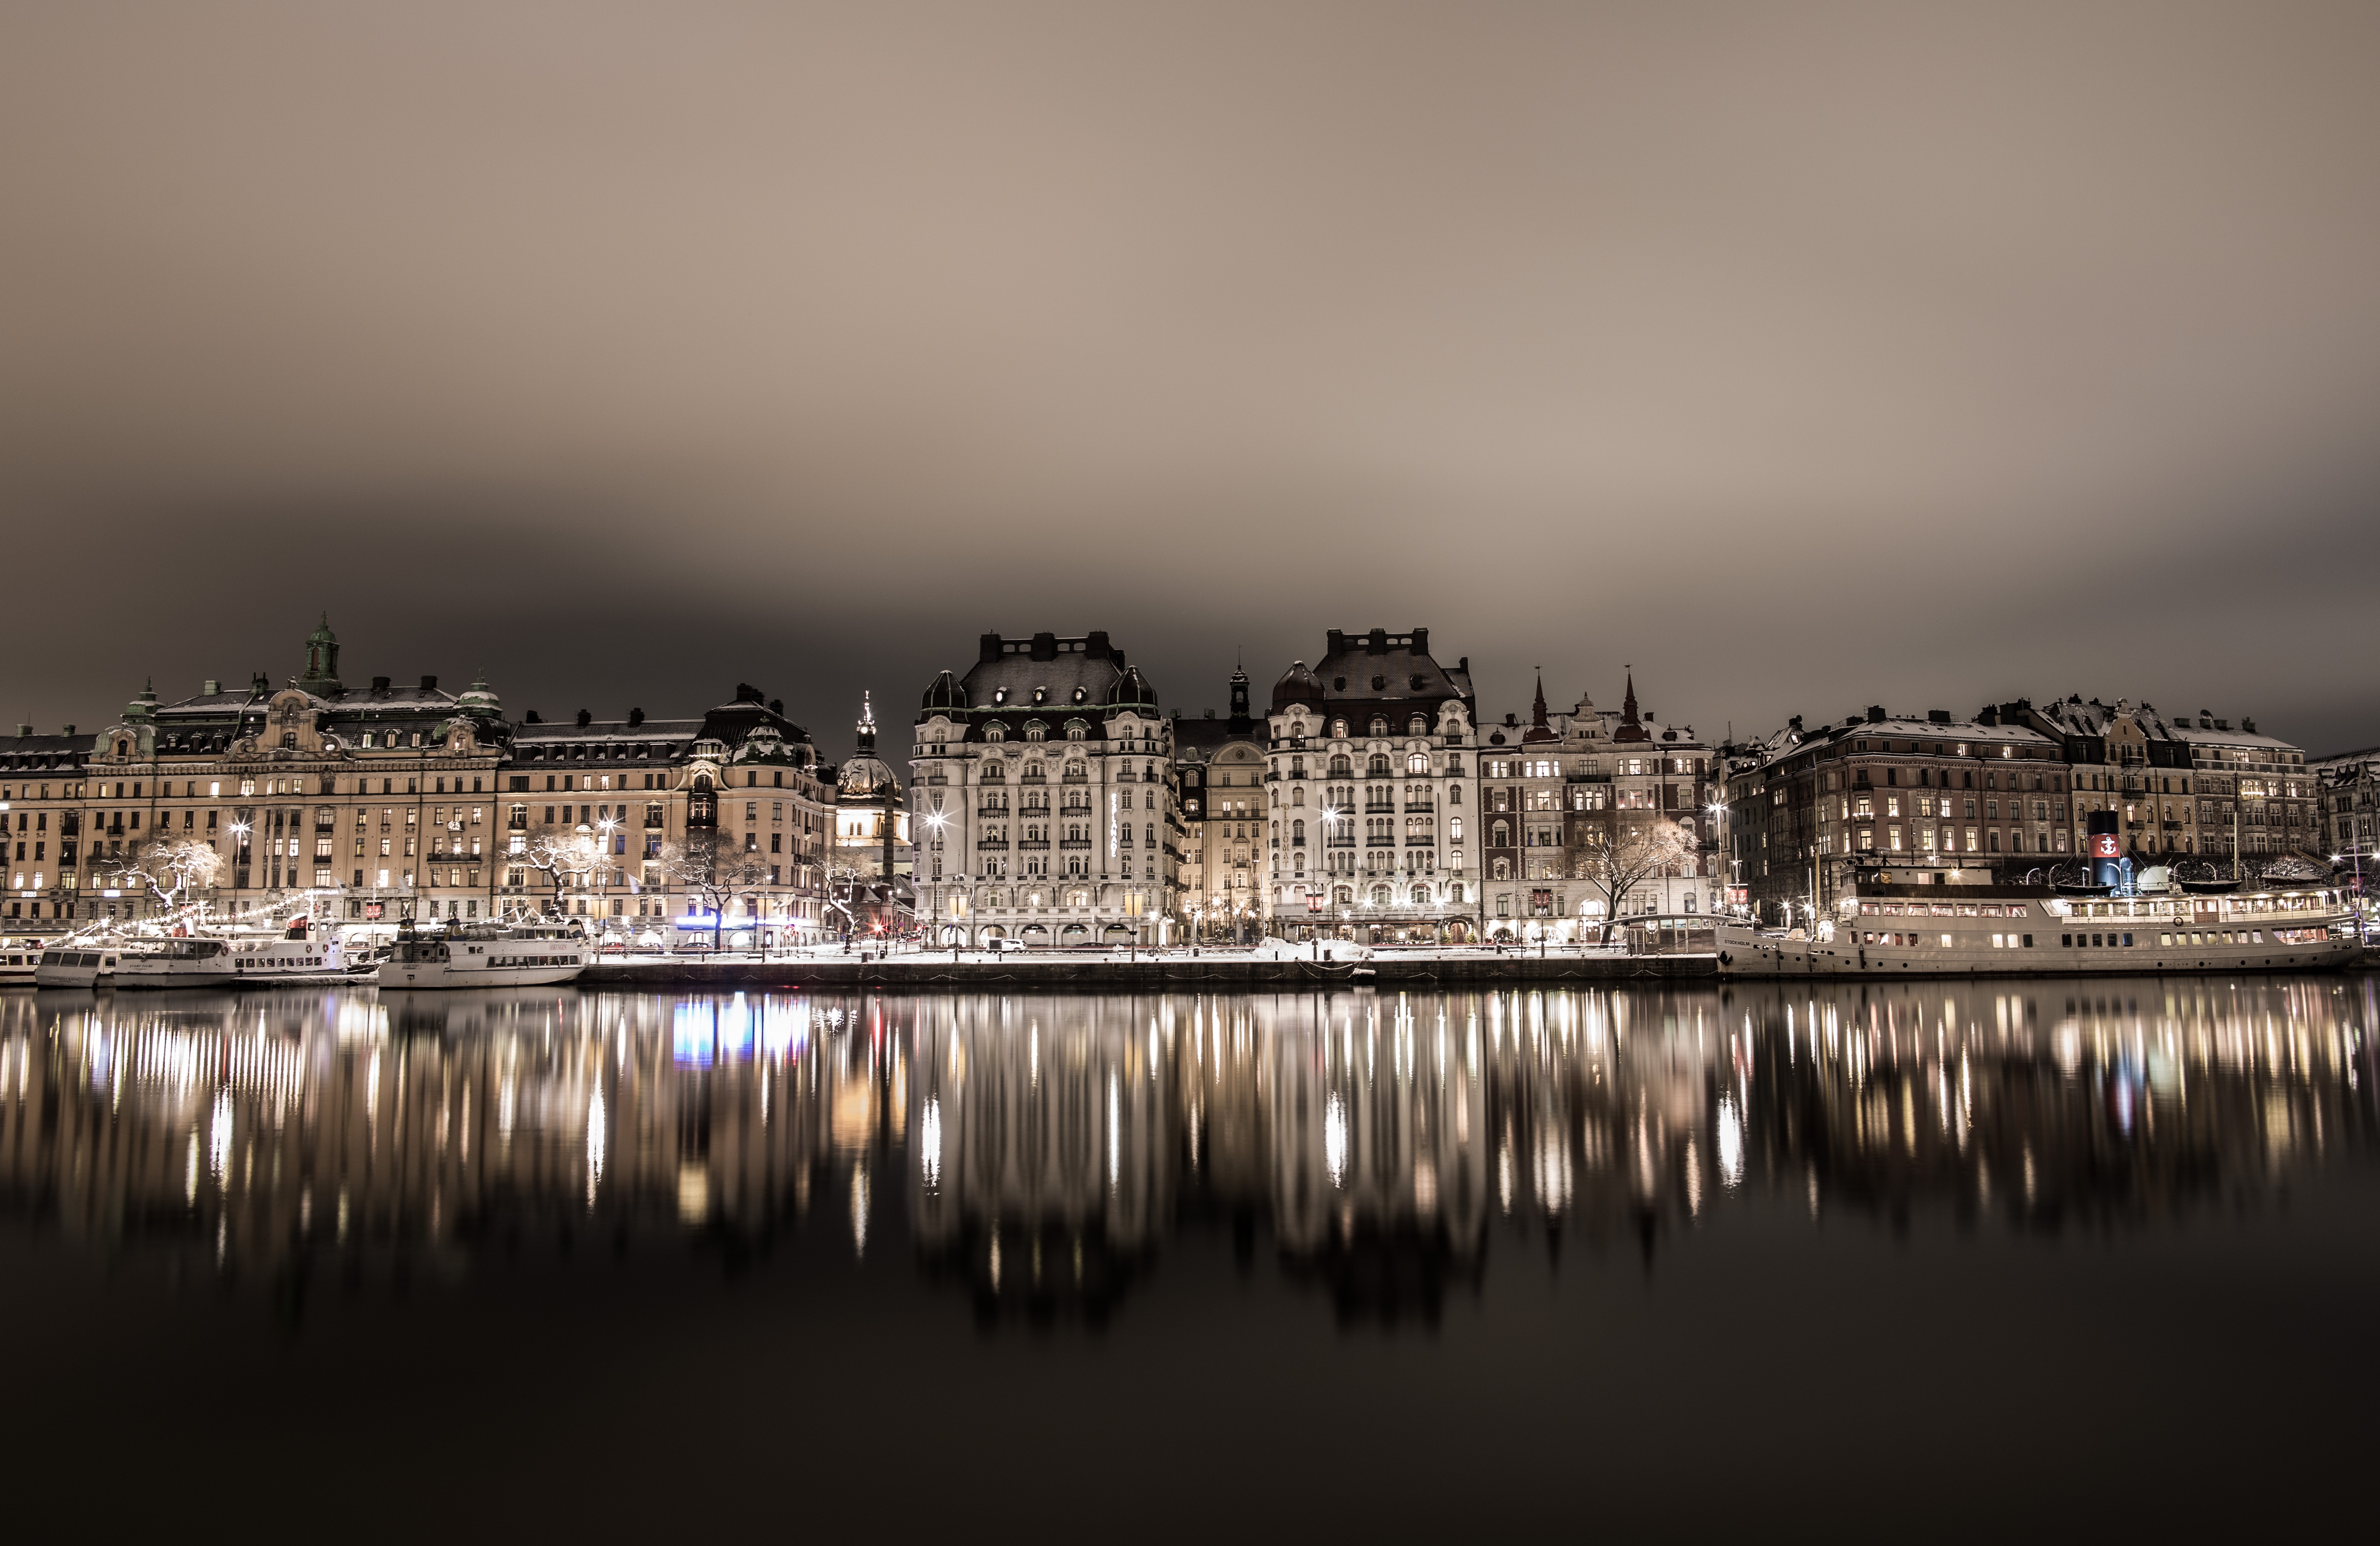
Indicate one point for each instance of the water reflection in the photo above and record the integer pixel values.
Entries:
(1033, 1154)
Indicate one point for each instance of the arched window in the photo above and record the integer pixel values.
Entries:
(1379, 896)
(1338, 730)
(1454, 794)
(1342, 895)
(1297, 831)
(1417, 726)
(1379, 767)
(1501, 837)
(1380, 724)
(1504, 870)
(1417, 763)
(1454, 892)
(1340, 766)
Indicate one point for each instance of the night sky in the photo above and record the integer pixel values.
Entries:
(1805, 356)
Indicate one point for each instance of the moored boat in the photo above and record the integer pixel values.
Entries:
(175, 963)
(2002, 930)
(303, 957)
(488, 955)
(75, 964)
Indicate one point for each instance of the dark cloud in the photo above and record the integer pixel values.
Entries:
(1805, 356)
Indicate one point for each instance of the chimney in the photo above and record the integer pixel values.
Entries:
(69, 731)
(987, 650)
(23, 730)
(1795, 721)
(1421, 641)
(777, 707)
(586, 718)
(1096, 644)
(1874, 714)
(1333, 641)
(1045, 646)
(1937, 716)
(635, 717)
(1987, 716)
(211, 687)
(1377, 642)
(429, 684)
(2249, 725)
(379, 684)
(532, 719)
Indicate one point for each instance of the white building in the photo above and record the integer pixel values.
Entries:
(1039, 798)
(1370, 762)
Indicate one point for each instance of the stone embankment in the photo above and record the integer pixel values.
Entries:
(1103, 974)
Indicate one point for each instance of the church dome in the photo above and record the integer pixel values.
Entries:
(946, 695)
(1297, 684)
(865, 776)
(1132, 691)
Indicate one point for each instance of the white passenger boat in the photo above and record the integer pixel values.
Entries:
(175, 963)
(303, 957)
(18, 959)
(1994, 930)
(75, 964)
(488, 955)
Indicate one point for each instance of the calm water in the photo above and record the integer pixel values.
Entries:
(1938, 1258)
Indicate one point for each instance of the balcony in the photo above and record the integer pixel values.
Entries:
(1032, 779)
(995, 812)
(1421, 807)
(1033, 845)
(991, 845)
(1083, 843)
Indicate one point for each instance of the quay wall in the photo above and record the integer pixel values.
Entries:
(926, 974)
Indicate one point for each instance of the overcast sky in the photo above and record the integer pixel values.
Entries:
(1804, 356)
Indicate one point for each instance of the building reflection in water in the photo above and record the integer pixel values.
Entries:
(1036, 1153)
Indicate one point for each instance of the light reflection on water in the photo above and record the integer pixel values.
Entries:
(1038, 1151)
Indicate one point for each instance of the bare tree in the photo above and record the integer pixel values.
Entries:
(715, 871)
(170, 869)
(1627, 848)
(559, 855)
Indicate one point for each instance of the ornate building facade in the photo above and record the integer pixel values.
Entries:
(381, 803)
(1370, 757)
(1039, 778)
(1558, 793)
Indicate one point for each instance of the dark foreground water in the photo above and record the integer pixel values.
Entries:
(1931, 1260)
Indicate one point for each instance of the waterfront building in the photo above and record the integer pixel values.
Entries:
(2257, 799)
(2128, 765)
(714, 825)
(2347, 786)
(1567, 803)
(1919, 800)
(1043, 774)
(1219, 778)
(383, 802)
(1370, 756)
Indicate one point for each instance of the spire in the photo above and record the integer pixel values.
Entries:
(867, 725)
(1632, 726)
(1540, 728)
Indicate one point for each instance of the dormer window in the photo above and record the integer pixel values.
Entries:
(1339, 729)
(995, 732)
(1081, 692)
(999, 695)
(1037, 732)
(1380, 724)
